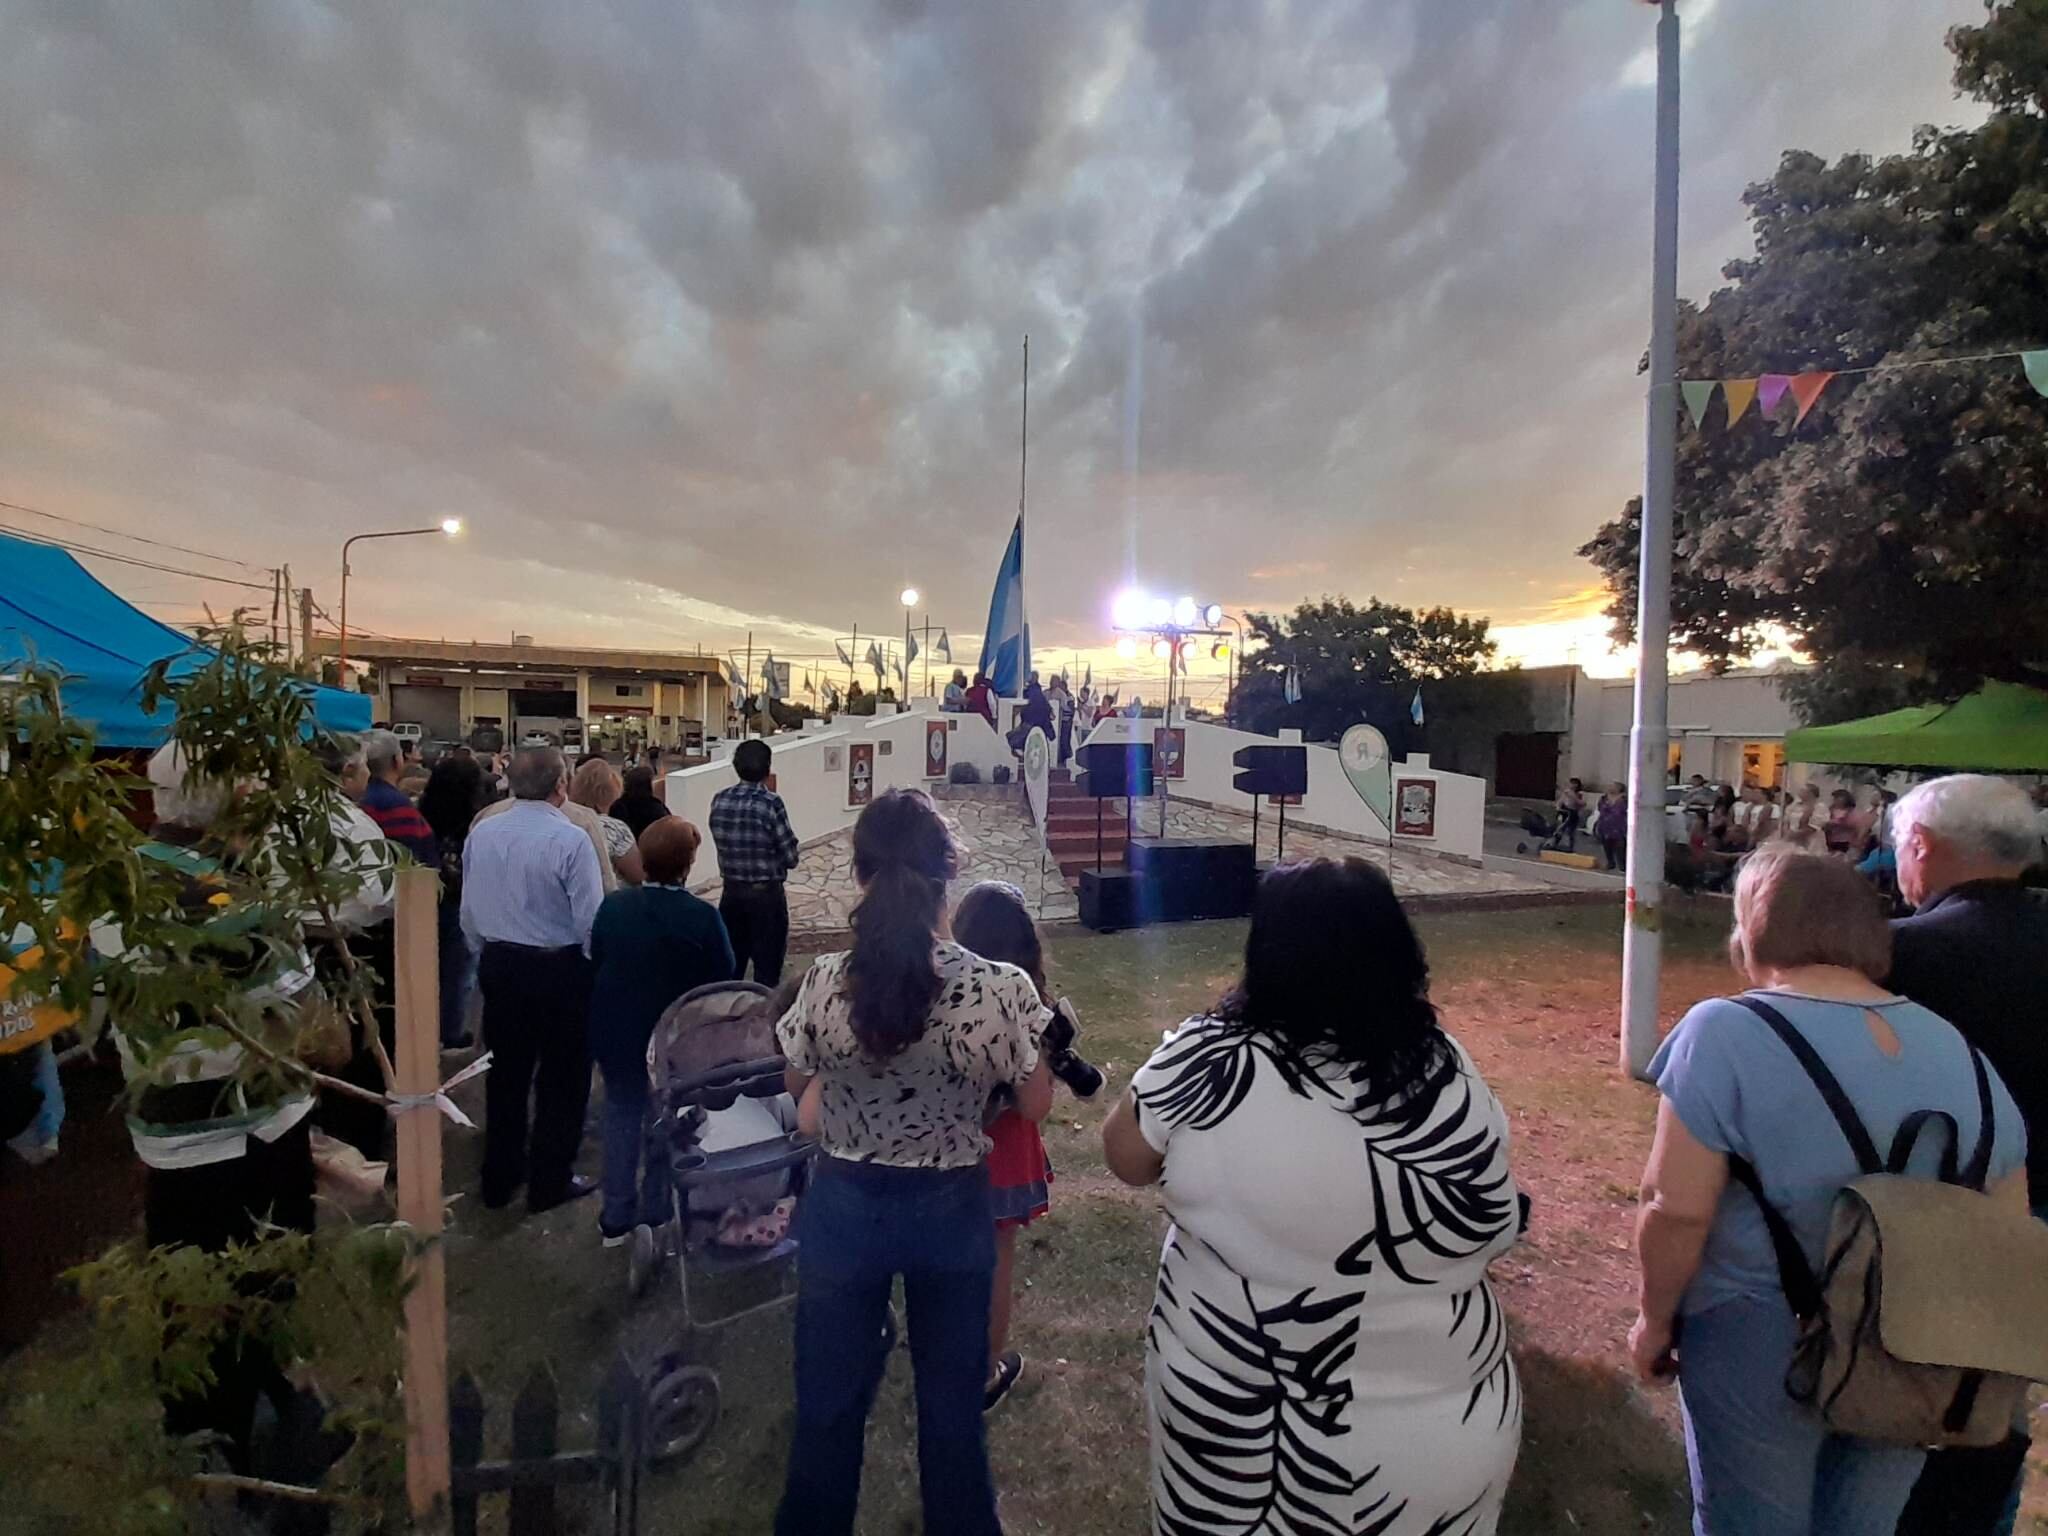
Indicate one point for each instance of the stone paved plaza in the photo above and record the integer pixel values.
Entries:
(998, 842)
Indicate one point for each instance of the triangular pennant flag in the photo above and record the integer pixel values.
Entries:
(944, 649)
(1770, 389)
(2036, 364)
(1699, 394)
(1737, 393)
(1806, 388)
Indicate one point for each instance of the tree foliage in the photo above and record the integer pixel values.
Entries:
(1900, 536)
(175, 964)
(1349, 661)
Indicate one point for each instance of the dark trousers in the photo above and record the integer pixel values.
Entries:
(756, 914)
(861, 1225)
(209, 1207)
(458, 967)
(1614, 847)
(535, 1025)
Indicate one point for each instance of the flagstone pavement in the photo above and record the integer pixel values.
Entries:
(998, 842)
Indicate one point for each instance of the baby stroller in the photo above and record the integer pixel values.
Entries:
(1550, 835)
(725, 1130)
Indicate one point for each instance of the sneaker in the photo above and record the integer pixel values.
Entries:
(1009, 1371)
(613, 1237)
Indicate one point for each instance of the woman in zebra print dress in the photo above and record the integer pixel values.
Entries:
(1325, 1356)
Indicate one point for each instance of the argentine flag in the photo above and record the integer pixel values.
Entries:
(1415, 707)
(845, 660)
(944, 649)
(1006, 642)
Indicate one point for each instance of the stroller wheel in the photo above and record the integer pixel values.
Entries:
(641, 1259)
(682, 1409)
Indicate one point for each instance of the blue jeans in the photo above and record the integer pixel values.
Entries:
(634, 1189)
(860, 1226)
(458, 970)
(42, 1131)
(1762, 1464)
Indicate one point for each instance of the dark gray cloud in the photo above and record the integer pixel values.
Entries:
(707, 313)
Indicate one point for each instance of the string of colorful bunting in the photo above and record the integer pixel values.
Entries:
(1768, 390)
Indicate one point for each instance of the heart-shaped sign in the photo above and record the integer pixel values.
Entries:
(1366, 763)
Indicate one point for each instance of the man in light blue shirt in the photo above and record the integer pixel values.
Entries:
(530, 891)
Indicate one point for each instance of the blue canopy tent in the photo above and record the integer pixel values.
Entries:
(55, 612)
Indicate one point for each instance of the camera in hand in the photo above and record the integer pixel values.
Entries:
(1083, 1078)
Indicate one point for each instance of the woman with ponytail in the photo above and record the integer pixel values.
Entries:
(905, 1036)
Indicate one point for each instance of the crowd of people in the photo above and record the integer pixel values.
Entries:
(1333, 1345)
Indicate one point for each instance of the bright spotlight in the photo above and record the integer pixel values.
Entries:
(1185, 613)
(910, 597)
(1162, 648)
(1158, 612)
(1127, 611)
(451, 526)
(1213, 615)
(1126, 647)
(1220, 651)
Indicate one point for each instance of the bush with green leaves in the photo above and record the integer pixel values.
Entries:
(84, 1435)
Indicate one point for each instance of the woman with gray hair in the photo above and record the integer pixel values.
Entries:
(1975, 950)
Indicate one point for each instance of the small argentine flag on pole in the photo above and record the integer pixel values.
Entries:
(1415, 706)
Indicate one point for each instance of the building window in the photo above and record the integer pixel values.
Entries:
(624, 692)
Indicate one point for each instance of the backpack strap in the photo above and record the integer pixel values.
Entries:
(1979, 1168)
(1830, 1088)
(1802, 1289)
(1909, 1133)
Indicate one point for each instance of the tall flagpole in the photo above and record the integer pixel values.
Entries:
(1023, 457)
(1642, 937)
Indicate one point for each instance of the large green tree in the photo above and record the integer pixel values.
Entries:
(1352, 663)
(1900, 536)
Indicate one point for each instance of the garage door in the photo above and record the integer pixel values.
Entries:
(1525, 764)
(437, 711)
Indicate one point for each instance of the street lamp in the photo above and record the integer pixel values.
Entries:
(448, 526)
(909, 595)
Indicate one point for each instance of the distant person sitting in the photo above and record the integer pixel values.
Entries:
(638, 806)
(955, 700)
(389, 806)
(981, 699)
(756, 851)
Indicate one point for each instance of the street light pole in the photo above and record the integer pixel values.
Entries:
(448, 526)
(1642, 937)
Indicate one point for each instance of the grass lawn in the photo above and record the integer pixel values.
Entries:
(1533, 994)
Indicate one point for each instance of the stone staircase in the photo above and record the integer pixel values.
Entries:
(1070, 827)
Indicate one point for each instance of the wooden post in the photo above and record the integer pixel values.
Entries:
(418, 973)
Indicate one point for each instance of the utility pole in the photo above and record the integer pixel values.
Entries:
(306, 630)
(1643, 935)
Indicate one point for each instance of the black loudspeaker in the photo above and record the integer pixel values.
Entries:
(1109, 900)
(1114, 770)
(1181, 878)
(1274, 770)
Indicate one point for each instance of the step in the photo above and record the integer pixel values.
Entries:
(1073, 869)
(1068, 842)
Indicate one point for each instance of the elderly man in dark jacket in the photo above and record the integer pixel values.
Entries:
(1975, 950)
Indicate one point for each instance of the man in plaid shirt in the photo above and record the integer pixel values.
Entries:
(756, 851)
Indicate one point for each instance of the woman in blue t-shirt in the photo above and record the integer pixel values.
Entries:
(1812, 941)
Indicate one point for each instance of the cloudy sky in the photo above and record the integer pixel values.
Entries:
(707, 316)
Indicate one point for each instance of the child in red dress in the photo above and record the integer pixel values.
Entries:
(992, 922)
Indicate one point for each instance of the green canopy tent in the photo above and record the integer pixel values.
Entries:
(2001, 728)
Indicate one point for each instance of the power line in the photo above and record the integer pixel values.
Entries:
(147, 565)
(57, 517)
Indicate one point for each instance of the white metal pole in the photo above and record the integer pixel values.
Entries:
(1642, 938)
